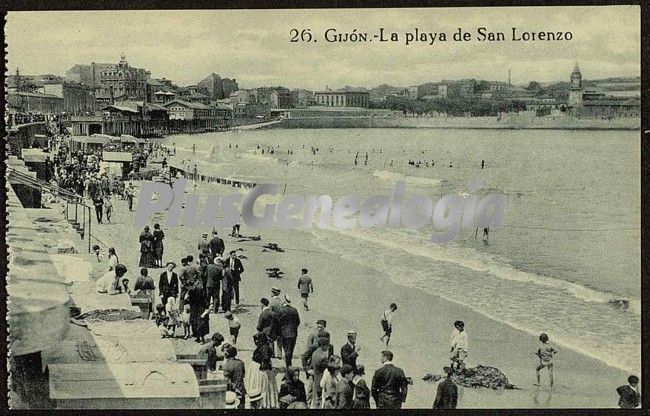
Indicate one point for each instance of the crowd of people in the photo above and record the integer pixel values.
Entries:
(207, 283)
(17, 118)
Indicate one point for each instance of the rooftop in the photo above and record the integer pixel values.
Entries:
(197, 106)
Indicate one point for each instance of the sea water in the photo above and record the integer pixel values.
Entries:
(566, 260)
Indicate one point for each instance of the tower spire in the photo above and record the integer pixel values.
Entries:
(576, 68)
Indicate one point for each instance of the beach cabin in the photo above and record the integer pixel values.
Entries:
(94, 142)
(148, 385)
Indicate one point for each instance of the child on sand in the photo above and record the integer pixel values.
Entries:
(545, 353)
(161, 319)
(172, 312)
(306, 287)
(459, 346)
(387, 323)
(184, 320)
(98, 253)
(108, 207)
(234, 325)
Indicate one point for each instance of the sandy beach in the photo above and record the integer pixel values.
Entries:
(349, 296)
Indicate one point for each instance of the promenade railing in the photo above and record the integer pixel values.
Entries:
(82, 211)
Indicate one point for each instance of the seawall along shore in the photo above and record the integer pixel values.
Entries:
(508, 122)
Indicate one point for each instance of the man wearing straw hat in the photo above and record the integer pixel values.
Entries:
(350, 351)
(232, 402)
(255, 398)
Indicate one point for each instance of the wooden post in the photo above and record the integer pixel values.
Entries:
(90, 220)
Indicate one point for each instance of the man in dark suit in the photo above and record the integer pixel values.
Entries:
(214, 274)
(350, 351)
(447, 395)
(629, 395)
(236, 269)
(168, 283)
(288, 320)
(389, 384)
(217, 247)
(267, 319)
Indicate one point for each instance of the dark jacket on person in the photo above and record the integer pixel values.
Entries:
(629, 398)
(344, 394)
(168, 286)
(266, 321)
(288, 321)
(217, 246)
(237, 269)
(234, 371)
(294, 388)
(214, 273)
(144, 283)
(189, 275)
(262, 355)
(349, 355)
(361, 395)
(389, 387)
(447, 395)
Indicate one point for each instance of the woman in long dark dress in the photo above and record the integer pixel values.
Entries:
(146, 249)
(158, 236)
(145, 286)
(199, 319)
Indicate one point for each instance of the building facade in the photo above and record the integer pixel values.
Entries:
(29, 102)
(218, 88)
(77, 98)
(240, 97)
(185, 110)
(342, 98)
(280, 99)
(301, 98)
(122, 82)
(590, 103)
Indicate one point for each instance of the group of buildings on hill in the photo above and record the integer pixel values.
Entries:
(607, 99)
(105, 98)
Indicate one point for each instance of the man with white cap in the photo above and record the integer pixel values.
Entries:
(203, 244)
(289, 321)
(275, 303)
(350, 351)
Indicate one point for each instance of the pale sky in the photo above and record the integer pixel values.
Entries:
(253, 45)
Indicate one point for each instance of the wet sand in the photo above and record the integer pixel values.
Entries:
(350, 296)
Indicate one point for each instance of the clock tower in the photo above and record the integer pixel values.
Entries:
(575, 92)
